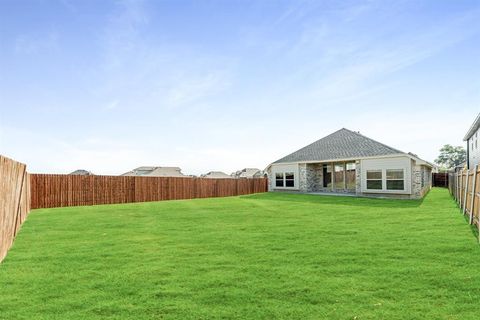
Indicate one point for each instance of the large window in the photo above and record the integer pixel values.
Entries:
(289, 179)
(285, 179)
(395, 179)
(339, 177)
(279, 180)
(350, 176)
(386, 179)
(374, 179)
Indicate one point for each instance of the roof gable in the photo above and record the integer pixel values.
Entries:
(342, 144)
(474, 127)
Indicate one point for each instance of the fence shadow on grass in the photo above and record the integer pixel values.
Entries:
(473, 228)
(336, 200)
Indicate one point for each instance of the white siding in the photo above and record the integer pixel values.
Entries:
(282, 168)
(384, 164)
(474, 151)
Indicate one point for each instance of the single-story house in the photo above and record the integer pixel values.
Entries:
(248, 173)
(348, 162)
(156, 172)
(473, 152)
(216, 175)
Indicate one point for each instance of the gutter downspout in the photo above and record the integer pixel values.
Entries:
(468, 153)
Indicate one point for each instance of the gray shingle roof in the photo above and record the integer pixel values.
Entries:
(342, 144)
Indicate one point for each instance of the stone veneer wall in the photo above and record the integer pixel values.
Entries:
(358, 178)
(302, 177)
(416, 181)
(421, 181)
(315, 177)
(310, 177)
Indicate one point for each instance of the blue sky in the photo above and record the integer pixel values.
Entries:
(223, 85)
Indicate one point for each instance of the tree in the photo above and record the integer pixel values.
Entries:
(451, 156)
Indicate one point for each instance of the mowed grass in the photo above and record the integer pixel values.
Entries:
(264, 256)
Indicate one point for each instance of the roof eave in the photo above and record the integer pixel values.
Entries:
(342, 159)
(419, 160)
(473, 128)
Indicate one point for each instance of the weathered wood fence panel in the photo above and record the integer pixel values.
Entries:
(464, 186)
(55, 190)
(440, 179)
(14, 201)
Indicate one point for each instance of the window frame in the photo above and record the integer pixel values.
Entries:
(277, 179)
(383, 168)
(284, 173)
(394, 179)
(376, 179)
(286, 180)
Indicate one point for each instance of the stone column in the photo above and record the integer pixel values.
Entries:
(416, 182)
(358, 178)
(302, 177)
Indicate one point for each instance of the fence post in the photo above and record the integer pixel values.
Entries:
(465, 193)
(17, 215)
(472, 201)
(457, 183)
(458, 188)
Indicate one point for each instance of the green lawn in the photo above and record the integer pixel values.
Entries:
(264, 256)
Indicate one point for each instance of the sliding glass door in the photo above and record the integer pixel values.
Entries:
(350, 176)
(339, 177)
(327, 176)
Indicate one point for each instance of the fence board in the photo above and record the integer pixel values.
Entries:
(464, 186)
(440, 179)
(55, 190)
(14, 201)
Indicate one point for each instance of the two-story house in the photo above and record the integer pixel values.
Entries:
(473, 151)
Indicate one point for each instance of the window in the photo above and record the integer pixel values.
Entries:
(284, 179)
(350, 166)
(350, 176)
(289, 179)
(374, 179)
(278, 179)
(339, 176)
(327, 176)
(395, 179)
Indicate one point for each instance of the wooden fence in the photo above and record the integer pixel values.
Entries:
(464, 186)
(14, 201)
(440, 179)
(54, 190)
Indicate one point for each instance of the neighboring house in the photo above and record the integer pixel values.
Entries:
(473, 151)
(156, 172)
(248, 173)
(460, 167)
(216, 175)
(348, 162)
(81, 172)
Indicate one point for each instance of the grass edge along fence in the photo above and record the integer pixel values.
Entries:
(14, 201)
(464, 186)
(20, 192)
(59, 190)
